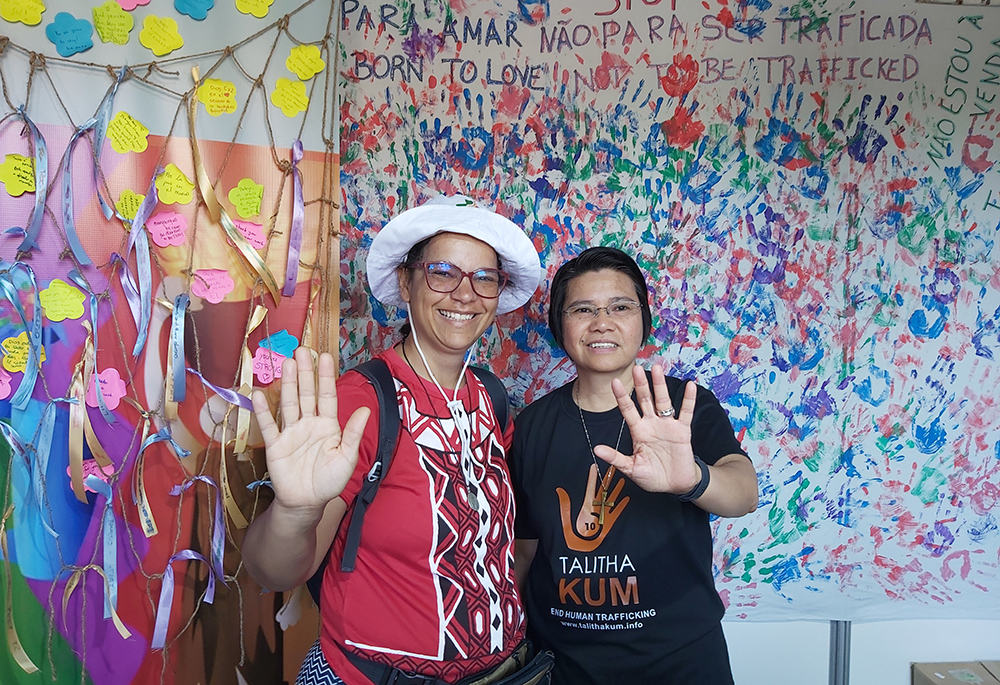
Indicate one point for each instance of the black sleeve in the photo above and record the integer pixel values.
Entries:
(516, 458)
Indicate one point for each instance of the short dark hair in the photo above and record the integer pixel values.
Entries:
(596, 259)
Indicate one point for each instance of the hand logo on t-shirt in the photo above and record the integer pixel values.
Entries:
(597, 515)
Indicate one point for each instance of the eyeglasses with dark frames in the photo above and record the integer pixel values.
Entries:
(445, 277)
(622, 309)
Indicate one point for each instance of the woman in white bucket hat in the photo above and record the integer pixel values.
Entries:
(432, 595)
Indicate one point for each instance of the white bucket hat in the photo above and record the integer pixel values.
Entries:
(454, 214)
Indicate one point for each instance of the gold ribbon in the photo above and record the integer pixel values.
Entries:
(239, 520)
(79, 419)
(246, 381)
(139, 496)
(74, 580)
(13, 642)
(215, 210)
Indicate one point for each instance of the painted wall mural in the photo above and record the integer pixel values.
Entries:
(813, 189)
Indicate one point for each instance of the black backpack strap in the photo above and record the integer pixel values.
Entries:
(498, 395)
(377, 373)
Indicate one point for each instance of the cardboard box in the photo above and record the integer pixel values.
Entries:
(956, 673)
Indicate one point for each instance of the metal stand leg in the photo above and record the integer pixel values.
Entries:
(840, 652)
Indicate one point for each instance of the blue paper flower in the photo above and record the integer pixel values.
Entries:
(282, 342)
(196, 9)
(69, 34)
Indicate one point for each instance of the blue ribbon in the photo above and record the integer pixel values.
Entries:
(18, 449)
(128, 285)
(41, 466)
(41, 182)
(23, 395)
(69, 224)
(110, 543)
(228, 395)
(177, 347)
(163, 435)
(218, 527)
(77, 278)
(137, 238)
(100, 131)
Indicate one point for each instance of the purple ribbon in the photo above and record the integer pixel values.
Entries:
(137, 238)
(69, 224)
(218, 527)
(77, 279)
(110, 531)
(41, 182)
(228, 395)
(129, 286)
(298, 215)
(179, 379)
(167, 595)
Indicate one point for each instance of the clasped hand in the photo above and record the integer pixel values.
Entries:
(662, 459)
(310, 460)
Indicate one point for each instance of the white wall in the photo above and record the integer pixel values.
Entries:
(797, 652)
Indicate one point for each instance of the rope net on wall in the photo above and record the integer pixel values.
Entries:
(152, 266)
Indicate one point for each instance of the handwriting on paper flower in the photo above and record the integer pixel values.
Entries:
(167, 228)
(128, 203)
(61, 301)
(18, 174)
(212, 284)
(127, 134)
(15, 352)
(173, 187)
(69, 34)
(218, 96)
(254, 233)
(290, 97)
(267, 365)
(282, 342)
(160, 35)
(25, 11)
(113, 23)
(305, 61)
(257, 8)
(246, 197)
(113, 387)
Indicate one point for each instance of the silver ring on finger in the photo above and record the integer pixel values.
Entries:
(665, 413)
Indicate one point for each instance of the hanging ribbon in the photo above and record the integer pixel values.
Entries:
(79, 418)
(91, 367)
(129, 286)
(110, 531)
(218, 526)
(74, 580)
(9, 288)
(36, 470)
(246, 380)
(215, 210)
(139, 498)
(100, 131)
(298, 215)
(69, 223)
(176, 385)
(239, 520)
(139, 240)
(227, 394)
(41, 182)
(167, 595)
(14, 646)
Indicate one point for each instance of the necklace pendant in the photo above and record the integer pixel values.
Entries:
(473, 501)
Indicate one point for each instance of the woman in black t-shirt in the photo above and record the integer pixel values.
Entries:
(615, 478)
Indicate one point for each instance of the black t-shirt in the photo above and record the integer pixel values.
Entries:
(632, 600)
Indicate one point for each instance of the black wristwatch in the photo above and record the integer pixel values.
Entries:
(699, 489)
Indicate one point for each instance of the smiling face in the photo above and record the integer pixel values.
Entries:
(448, 324)
(603, 344)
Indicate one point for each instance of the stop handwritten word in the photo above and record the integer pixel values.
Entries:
(61, 301)
(18, 174)
(167, 228)
(173, 187)
(257, 8)
(69, 34)
(305, 61)
(127, 134)
(254, 233)
(113, 387)
(15, 358)
(113, 24)
(246, 197)
(160, 35)
(290, 97)
(212, 284)
(267, 365)
(218, 96)
(25, 11)
(128, 203)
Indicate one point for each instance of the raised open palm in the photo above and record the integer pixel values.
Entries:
(310, 460)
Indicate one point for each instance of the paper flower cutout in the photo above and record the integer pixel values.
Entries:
(160, 35)
(173, 187)
(257, 8)
(69, 34)
(219, 97)
(305, 61)
(18, 175)
(290, 96)
(112, 387)
(267, 365)
(128, 203)
(127, 134)
(246, 197)
(196, 9)
(25, 11)
(5, 388)
(254, 233)
(61, 301)
(92, 468)
(132, 4)
(15, 352)
(212, 284)
(113, 24)
(167, 228)
(282, 342)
